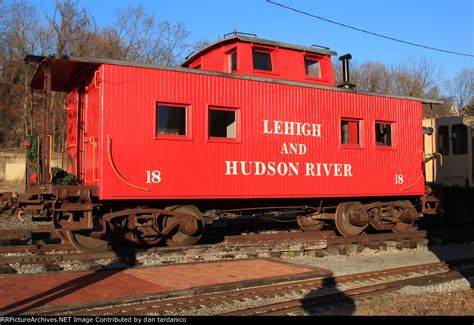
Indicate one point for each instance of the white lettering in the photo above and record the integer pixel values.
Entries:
(291, 128)
(327, 168)
(337, 170)
(294, 148)
(316, 130)
(298, 128)
(242, 167)
(277, 125)
(284, 149)
(347, 170)
(306, 128)
(293, 168)
(260, 168)
(231, 170)
(265, 127)
(309, 169)
(153, 176)
(399, 179)
(272, 168)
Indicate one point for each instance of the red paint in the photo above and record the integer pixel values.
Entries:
(194, 166)
(288, 64)
(119, 102)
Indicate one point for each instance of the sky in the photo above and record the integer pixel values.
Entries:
(444, 24)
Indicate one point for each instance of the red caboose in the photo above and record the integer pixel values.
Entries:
(244, 118)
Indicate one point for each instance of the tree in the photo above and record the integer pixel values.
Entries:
(415, 77)
(461, 88)
(18, 38)
(72, 27)
(138, 36)
(70, 30)
(374, 77)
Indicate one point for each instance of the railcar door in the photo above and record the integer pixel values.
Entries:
(90, 129)
(454, 144)
(81, 108)
(75, 101)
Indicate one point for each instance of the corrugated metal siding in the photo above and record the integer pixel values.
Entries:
(91, 125)
(287, 64)
(196, 168)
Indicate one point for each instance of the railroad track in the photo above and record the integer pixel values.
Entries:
(297, 297)
(233, 247)
(24, 235)
(291, 244)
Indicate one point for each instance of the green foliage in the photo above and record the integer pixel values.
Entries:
(32, 163)
(61, 177)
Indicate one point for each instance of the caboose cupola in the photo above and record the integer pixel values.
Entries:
(252, 56)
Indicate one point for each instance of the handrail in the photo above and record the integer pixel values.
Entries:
(419, 177)
(417, 180)
(94, 145)
(50, 157)
(109, 154)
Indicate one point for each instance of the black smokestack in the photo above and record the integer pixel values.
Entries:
(345, 72)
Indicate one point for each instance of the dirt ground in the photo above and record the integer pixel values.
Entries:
(458, 303)
(435, 304)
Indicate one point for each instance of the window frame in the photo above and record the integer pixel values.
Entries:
(270, 51)
(453, 139)
(392, 135)
(236, 110)
(229, 54)
(360, 125)
(314, 58)
(448, 140)
(188, 122)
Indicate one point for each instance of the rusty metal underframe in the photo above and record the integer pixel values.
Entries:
(383, 215)
(70, 205)
(148, 225)
(5, 200)
(73, 215)
(430, 202)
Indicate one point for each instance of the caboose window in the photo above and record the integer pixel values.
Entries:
(350, 132)
(312, 67)
(170, 120)
(222, 123)
(383, 134)
(262, 60)
(443, 140)
(232, 57)
(459, 139)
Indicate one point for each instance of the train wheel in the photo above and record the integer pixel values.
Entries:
(308, 224)
(62, 235)
(401, 227)
(82, 241)
(179, 238)
(343, 222)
